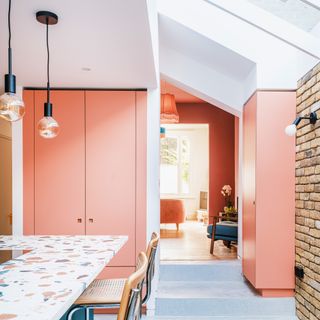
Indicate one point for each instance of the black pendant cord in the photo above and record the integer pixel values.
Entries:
(48, 63)
(9, 40)
(9, 78)
(47, 18)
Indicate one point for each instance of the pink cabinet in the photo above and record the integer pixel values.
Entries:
(268, 193)
(90, 179)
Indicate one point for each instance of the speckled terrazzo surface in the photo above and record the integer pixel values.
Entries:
(43, 283)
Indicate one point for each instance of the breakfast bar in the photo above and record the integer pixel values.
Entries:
(46, 274)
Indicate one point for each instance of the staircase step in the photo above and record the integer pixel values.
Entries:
(231, 307)
(114, 317)
(204, 289)
(216, 298)
(219, 318)
(216, 271)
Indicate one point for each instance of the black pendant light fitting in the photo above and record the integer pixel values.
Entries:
(47, 126)
(11, 106)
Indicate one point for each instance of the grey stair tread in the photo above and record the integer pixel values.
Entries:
(114, 317)
(220, 271)
(204, 289)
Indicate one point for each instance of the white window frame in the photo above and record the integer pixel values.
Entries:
(179, 166)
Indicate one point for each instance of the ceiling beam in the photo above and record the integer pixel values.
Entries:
(313, 3)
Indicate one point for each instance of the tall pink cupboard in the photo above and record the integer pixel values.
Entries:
(268, 193)
(90, 179)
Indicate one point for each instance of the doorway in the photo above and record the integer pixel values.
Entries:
(184, 188)
(5, 178)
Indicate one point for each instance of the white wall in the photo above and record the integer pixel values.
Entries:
(153, 149)
(14, 130)
(5, 177)
(198, 136)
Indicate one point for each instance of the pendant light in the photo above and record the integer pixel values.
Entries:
(48, 127)
(169, 113)
(168, 108)
(11, 106)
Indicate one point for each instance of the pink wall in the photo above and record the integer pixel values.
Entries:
(222, 148)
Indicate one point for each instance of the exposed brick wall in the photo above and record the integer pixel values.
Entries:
(308, 199)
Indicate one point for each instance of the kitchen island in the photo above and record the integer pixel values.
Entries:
(50, 273)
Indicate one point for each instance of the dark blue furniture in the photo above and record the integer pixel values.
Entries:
(224, 230)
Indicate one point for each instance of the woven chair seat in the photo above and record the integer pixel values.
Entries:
(105, 291)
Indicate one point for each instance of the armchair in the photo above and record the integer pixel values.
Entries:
(220, 229)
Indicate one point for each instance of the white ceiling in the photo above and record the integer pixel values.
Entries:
(200, 48)
(111, 38)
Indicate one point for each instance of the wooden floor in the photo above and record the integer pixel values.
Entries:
(191, 243)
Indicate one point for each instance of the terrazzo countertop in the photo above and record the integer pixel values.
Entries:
(43, 283)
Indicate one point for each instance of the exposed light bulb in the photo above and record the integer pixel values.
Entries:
(291, 130)
(48, 128)
(11, 107)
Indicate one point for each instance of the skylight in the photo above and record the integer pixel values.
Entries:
(304, 14)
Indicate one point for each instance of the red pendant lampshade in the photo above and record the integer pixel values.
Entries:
(168, 113)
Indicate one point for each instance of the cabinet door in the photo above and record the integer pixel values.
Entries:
(249, 190)
(111, 168)
(60, 167)
(28, 163)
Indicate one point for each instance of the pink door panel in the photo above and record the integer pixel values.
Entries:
(28, 163)
(111, 168)
(60, 167)
(249, 191)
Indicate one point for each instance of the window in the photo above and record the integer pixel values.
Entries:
(175, 165)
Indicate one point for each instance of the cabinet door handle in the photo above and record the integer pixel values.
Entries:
(90, 220)
(79, 220)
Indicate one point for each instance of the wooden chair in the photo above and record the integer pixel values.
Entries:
(130, 303)
(109, 291)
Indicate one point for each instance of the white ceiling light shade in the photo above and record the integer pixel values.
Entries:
(11, 105)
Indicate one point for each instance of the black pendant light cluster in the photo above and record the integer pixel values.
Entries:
(11, 106)
(48, 127)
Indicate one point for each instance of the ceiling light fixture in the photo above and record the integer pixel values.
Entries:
(169, 113)
(168, 108)
(48, 127)
(292, 128)
(11, 105)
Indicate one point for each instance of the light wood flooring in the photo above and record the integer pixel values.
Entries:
(190, 243)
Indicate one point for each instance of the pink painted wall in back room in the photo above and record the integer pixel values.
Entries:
(221, 144)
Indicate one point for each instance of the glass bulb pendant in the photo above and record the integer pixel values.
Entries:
(48, 128)
(11, 107)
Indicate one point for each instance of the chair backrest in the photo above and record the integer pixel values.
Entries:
(153, 243)
(130, 300)
(151, 255)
